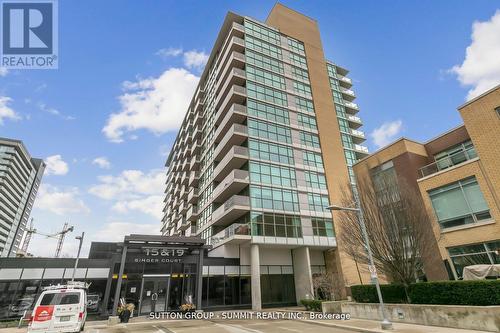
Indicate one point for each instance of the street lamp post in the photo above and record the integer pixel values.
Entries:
(385, 324)
(80, 238)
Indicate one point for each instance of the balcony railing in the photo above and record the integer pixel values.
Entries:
(233, 229)
(448, 161)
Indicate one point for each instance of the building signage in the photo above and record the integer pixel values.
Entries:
(160, 255)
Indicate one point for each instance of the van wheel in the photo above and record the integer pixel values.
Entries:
(82, 328)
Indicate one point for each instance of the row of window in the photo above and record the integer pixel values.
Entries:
(262, 197)
(263, 61)
(312, 159)
(309, 139)
(262, 47)
(262, 32)
(307, 121)
(315, 180)
(270, 152)
(267, 111)
(317, 202)
(269, 131)
(272, 174)
(296, 46)
(265, 77)
(278, 225)
(322, 226)
(268, 94)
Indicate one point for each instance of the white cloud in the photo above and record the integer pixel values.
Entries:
(60, 201)
(195, 59)
(481, 66)
(43, 107)
(133, 190)
(56, 165)
(170, 52)
(384, 134)
(115, 231)
(102, 162)
(156, 104)
(151, 205)
(3, 71)
(7, 112)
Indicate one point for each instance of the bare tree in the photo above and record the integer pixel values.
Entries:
(397, 223)
(326, 287)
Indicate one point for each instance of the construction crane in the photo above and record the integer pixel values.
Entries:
(58, 235)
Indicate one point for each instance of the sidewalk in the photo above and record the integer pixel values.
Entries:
(372, 326)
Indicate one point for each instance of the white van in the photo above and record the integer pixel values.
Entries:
(59, 309)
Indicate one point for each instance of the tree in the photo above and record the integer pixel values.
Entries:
(326, 287)
(397, 224)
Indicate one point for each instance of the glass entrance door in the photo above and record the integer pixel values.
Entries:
(154, 294)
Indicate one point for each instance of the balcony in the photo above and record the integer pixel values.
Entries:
(234, 159)
(235, 95)
(235, 207)
(184, 178)
(183, 192)
(235, 136)
(195, 147)
(186, 224)
(183, 207)
(236, 181)
(236, 233)
(198, 118)
(361, 151)
(351, 107)
(354, 121)
(193, 179)
(348, 94)
(449, 161)
(231, 59)
(192, 195)
(192, 213)
(195, 135)
(236, 114)
(344, 81)
(195, 163)
(357, 136)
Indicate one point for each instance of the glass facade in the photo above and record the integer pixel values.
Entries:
(476, 254)
(459, 203)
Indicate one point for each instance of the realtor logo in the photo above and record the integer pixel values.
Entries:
(29, 34)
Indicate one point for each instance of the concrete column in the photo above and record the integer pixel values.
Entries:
(255, 269)
(199, 282)
(119, 282)
(302, 273)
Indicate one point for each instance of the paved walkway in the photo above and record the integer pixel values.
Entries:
(352, 325)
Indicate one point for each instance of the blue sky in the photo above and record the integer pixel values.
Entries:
(106, 119)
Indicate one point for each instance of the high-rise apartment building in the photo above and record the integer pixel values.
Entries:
(20, 177)
(267, 143)
(458, 177)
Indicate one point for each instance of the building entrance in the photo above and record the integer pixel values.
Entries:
(154, 294)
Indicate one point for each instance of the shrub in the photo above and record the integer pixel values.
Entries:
(482, 292)
(485, 292)
(311, 304)
(367, 293)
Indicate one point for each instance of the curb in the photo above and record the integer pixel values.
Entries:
(344, 327)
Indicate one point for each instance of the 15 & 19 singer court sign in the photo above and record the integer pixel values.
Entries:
(160, 255)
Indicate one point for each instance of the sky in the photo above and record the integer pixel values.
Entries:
(105, 121)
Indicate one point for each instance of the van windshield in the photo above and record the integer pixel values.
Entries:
(60, 298)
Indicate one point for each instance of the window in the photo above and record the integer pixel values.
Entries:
(262, 32)
(317, 202)
(322, 227)
(332, 71)
(308, 139)
(272, 174)
(304, 104)
(455, 155)
(334, 84)
(298, 60)
(337, 97)
(270, 152)
(269, 131)
(343, 125)
(477, 254)
(296, 46)
(346, 140)
(262, 47)
(307, 121)
(300, 73)
(459, 203)
(272, 224)
(267, 111)
(263, 197)
(385, 183)
(312, 159)
(264, 77)
(263, 61)
(60, 298)
(268, 94)
(315, 180)
(301, 88)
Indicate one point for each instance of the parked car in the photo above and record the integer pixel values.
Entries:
(61, 308)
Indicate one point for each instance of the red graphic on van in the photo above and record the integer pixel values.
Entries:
(44, 313)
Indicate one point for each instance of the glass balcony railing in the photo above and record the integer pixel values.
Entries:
(448, 161)
(233, 229)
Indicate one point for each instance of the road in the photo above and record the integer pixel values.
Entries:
(218, 326)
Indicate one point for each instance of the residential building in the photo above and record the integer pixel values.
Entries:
(267, 143)
(458, 177)
(20, 177)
